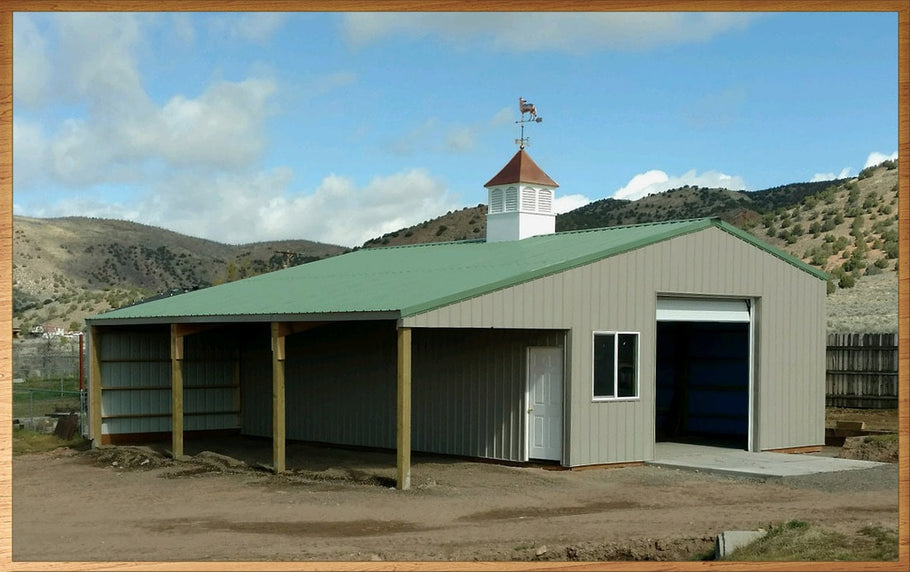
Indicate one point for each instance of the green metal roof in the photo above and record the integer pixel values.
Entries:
(407, 280)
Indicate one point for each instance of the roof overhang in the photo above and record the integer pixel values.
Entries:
(246, 318)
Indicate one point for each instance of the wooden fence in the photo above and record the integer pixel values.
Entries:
(861, 371)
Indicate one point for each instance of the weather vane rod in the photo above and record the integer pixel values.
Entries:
(524, 107)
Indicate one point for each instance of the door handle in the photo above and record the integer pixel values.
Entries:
(530, 409)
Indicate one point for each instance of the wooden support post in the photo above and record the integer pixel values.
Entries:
(404, 410)
(176, 391)
(278, 429)
(95, 383)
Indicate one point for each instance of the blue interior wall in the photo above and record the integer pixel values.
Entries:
(703, 382)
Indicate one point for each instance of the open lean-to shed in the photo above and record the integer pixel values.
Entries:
(580, 348)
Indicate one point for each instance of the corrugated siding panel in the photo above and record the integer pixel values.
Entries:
(620, 293)
(341, 384)
(211, 394)
(468, 391)
(256, 391)
(138, 359)
(135, 359)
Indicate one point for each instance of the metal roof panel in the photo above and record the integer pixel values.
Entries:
(408, 280)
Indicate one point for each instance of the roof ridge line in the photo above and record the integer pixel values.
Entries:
(419, 244)
(640, 224)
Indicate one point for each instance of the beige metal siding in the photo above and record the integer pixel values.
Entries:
(469, 390)
(620, 293)
(340, 384)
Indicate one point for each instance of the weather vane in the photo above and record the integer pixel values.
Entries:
(526, 107)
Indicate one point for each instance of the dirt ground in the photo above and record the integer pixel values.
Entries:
(135, 504)
(875, 419)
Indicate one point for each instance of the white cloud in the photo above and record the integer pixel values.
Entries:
(183, 28)
(29, 157)
(97, 60)
(817, 177)
(224, 126)
(433, 135)
(333, 81)
(528, 31)
(460, 138)
(238, 208)
(256, 27)
(32, 70)
(656, 181)
(246, 208)
(875, 158)
(504, 116)
(566, 203)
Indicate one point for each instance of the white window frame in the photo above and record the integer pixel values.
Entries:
(615, 396)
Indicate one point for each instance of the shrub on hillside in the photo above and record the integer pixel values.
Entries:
(873, 270)
(847, 281)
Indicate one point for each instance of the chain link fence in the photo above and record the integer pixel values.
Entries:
(46, 382)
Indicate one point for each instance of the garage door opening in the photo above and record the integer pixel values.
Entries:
(703, 371)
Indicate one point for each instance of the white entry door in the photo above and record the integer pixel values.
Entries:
(545, 381)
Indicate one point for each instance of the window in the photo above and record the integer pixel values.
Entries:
(615, 365)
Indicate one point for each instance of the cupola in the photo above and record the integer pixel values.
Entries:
(520, 201)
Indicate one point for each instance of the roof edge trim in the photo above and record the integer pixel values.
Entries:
(246, 318)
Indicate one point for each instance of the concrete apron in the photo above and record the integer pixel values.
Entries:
(745, 464)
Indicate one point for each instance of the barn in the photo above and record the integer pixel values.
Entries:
(574, 348)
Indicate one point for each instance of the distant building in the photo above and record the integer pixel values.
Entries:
(51, 331)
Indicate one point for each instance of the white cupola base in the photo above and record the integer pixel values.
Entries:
(518, 225)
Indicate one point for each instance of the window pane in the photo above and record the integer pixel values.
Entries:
(603, 365)
(628, 353)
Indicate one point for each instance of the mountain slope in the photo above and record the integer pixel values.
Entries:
(66, 268)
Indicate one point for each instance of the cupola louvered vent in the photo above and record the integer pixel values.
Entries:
(511, 199)
(496, 201)
(545, 201)
(528, 199)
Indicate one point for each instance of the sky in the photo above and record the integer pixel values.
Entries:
(340, 127)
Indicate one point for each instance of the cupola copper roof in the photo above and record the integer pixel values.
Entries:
(521, 169)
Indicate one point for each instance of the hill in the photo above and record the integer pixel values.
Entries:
(67, 268)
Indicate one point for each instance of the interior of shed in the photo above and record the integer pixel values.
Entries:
(703, 383)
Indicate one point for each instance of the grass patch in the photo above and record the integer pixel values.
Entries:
(797, 540)
(883, 439)
(25, 441)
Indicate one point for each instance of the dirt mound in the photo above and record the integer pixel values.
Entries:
(337, 475)
(880, 448)
(128, 458)
(643, 549)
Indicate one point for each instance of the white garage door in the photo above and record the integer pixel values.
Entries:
(702, 310)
